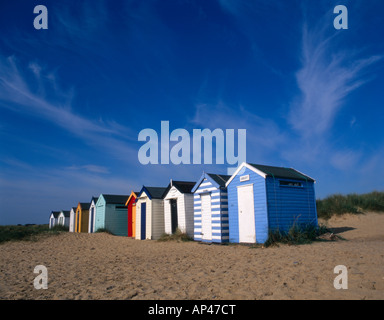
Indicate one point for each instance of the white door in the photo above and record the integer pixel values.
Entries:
(72, 222)
(247, 232)
(206, 219)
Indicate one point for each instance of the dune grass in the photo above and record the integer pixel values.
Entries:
(338, 204)
(296, 235)
(178, 235)
(27, 232)
(103, 230)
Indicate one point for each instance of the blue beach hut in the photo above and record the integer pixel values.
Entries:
(266, 198)
(111, 214)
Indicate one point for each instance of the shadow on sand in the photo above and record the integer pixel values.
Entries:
(338, 230)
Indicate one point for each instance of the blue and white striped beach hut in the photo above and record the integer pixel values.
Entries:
(211, 208)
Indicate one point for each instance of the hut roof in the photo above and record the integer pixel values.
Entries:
(94, 199)
(218, 180)
(282, 172)
(66, 213)
(84, 205)
(221, 179)
(153, 192)
(115, 198)
(55, 214)
(182, 186)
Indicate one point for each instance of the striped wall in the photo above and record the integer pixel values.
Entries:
(219, 212)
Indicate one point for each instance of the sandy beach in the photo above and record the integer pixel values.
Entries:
(102, 266)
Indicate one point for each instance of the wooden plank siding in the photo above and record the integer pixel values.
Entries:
(290, 205)
(92, 215)
(139, 201)
(63, 219)
(54, 219)
(133, 220)
(72, 217)
(173, 193)
(189, 214)
(153, 227)
(100, 214)
(82, 216)
(116, 219)
(184, 211)
(111, 214)
(131, 214)
(282, 197)
(156, 219)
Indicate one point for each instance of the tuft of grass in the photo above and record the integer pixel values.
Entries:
(27, 232)
(58, 229)
(105, 230)
(296, 235)
(176, 236)
(338, 204)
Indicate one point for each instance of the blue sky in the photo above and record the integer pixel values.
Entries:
(74, 97)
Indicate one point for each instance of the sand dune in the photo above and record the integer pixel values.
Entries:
(101, 266)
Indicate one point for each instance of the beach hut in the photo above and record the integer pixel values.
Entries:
(178, 207)
(150, 213)
(92, 213)
(111, 214)
(266, 198)
(53, 218)
(63, 219)
(72, 218)
(82, 217)
(211, 208)
(131, 208)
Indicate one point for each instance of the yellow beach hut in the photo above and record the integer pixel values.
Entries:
(82, 217)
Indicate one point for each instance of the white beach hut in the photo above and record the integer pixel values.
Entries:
(72, 215)
(92, 215)
(53, 218)
(63, 219)
(178, 207)
(150, 213)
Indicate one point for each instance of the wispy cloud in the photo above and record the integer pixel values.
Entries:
(82, 25)
(264, 136)
(327, 75)
(17, 94)
(325, 79)
(53, 189)
(90, 168)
